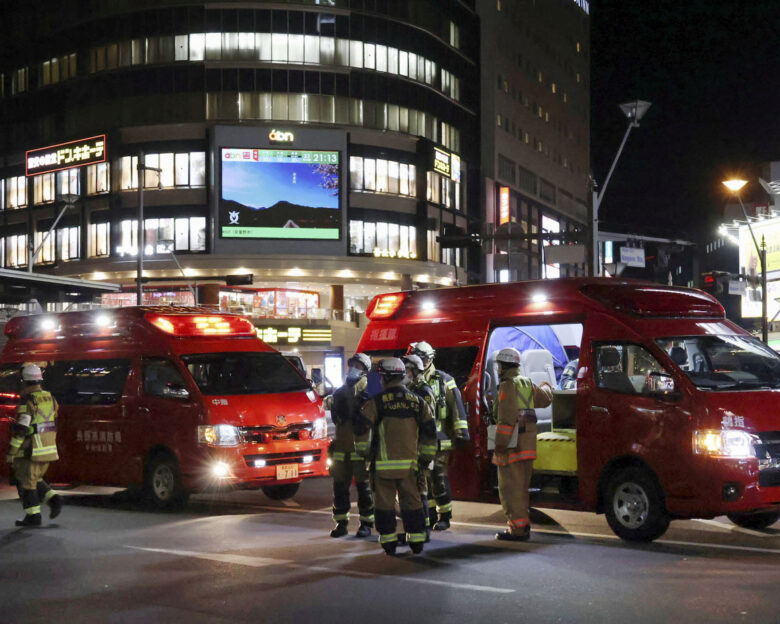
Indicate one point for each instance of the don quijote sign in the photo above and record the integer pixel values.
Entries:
(66, 155)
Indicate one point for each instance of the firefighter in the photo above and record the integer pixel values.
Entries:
(513, 413)
(415, 381)
(33, 446)
(396, 433)
(344, 405)
(451, 425)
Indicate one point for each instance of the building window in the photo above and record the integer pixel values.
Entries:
(16, 250)
(546, 190)
(20, 81)
(98, 178)
(58, 69)
(16, 192)
(433, 246)
(506, 169)
(163, 235)
(179, 170)
(383, 240)
(69, 182)
(99, 240)
(526, 180)
(68, 240)
(454, 35)
(43, 188)
(47, 247)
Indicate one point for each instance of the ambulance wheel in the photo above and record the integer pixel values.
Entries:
(162, 483)
(281, 492)
(761, 520)
(634, 506)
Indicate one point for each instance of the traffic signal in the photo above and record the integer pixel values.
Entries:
(711, 283)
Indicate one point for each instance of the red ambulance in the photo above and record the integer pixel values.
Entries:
(672, 411)
(177, 400)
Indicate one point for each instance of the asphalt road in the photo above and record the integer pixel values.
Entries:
(241, 557)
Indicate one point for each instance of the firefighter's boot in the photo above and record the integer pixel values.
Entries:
(444, 522)
(507, 536)
(30, 520)
(55, 506)
(340, 530)
(416, 547)
(389, 548)
(433, 517)
(364, 530)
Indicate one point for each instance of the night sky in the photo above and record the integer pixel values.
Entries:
(711, 68)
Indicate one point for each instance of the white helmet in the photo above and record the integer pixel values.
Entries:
(509, 355)
(422, 349)
(31, 372)
(414, 361)
(391, 366)
(361, 358)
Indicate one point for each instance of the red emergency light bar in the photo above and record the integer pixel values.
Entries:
(202, 324)
(384, 306)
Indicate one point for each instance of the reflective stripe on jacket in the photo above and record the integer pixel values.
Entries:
(401, 431)
(39, 442)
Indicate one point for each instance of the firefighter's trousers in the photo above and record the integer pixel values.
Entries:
(513, 483)
(33, 489)
(423, 475)
(439, 483)
(343, 471)
(408, 491)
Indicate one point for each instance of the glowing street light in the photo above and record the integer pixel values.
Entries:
(735, 186)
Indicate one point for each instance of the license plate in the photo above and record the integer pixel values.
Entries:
(286, 471)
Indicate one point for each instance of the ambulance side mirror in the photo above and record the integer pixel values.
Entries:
(175, 391)
(662, 386)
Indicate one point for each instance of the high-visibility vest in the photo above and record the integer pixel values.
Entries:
(39, 442)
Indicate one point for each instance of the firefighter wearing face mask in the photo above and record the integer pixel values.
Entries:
(451, 431)
(515, 452)
(344, 405)
(33, 446)
(415, 381)
(397, 432)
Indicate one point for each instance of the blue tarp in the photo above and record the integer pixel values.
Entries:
(530, 337)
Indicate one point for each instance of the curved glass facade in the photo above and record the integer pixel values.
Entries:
(390, 86)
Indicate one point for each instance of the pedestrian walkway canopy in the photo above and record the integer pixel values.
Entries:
(21, 286)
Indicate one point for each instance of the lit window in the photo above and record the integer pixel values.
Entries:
(16, 250)
(43, 188)
(68, 182)
(381, 176)
(356, 173)
(128, 173)
(68, 241)
(369, 174)
(98, 179)
(16, 192)
(99, 239)
(44, 244)
(197, 168)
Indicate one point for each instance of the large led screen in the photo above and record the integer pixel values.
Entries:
(284, 194)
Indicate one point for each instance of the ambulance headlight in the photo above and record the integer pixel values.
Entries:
(728, 443)
(320, 429)
(219, 435)
(220, 470)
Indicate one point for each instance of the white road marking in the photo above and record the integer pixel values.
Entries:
(263, 562)
(595, 536)
(732, 528)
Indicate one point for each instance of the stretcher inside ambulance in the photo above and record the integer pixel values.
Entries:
(662, 408)
(174, 399)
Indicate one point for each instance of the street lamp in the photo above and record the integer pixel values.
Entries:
(634, 111)
(735, 186)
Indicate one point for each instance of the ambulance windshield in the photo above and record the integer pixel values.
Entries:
(727, 362)
(244, 373)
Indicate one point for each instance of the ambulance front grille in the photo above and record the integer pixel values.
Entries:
(275, 459)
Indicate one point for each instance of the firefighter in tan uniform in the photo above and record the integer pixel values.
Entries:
(452, 431)
(415, 381)
(347, 464)
(513, 410)
(33, 446)
(396, 433)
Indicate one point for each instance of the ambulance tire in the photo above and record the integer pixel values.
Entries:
(162, 483)
(634, 506)
(761, 520)
(281, 492)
